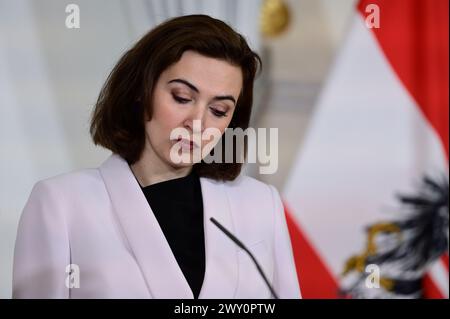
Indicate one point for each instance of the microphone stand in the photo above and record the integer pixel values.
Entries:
(241, 245)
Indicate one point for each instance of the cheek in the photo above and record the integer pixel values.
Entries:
(165, 116)
(217, 125)
(223, 123)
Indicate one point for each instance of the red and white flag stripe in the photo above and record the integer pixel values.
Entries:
(381, 124)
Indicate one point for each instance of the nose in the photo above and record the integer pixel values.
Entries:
(195, 121)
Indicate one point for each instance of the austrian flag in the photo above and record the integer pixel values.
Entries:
(367, 197)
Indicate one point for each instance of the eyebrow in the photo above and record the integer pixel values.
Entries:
(195, 89)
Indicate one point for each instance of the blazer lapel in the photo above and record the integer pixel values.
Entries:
(146, 239)
(163, 276)
(221, 270)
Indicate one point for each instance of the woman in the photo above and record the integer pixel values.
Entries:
(139, 225)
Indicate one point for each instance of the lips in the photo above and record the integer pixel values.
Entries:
(188, 144)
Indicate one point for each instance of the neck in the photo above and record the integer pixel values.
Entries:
(150, 169)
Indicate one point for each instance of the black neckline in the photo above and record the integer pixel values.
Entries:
(174, 183)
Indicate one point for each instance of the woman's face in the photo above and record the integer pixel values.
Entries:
(196, 88)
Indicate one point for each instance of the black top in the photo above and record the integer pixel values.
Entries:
(178, 207)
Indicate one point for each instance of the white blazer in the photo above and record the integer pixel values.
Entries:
(100, 221)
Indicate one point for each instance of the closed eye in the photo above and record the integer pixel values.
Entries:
(180, 99)
(218, 113)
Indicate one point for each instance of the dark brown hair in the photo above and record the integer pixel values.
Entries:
(118, 120)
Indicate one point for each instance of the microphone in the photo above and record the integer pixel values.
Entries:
(241, 245)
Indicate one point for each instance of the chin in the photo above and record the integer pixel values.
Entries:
(178, 165)
(182, 165)
(193, 159)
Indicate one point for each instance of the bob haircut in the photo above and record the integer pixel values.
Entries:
(118, 119)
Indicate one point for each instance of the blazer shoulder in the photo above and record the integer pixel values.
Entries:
(72, 181)
(253, 200)
(253, 189)
(247, 183)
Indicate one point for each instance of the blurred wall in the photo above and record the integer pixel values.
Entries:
(298, 62)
